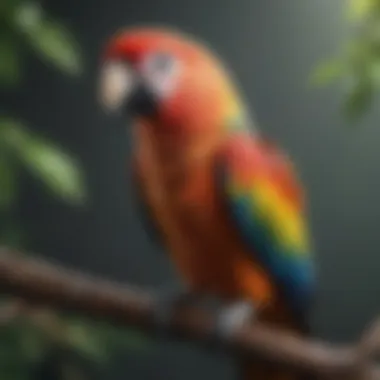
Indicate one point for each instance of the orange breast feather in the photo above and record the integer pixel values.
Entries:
(199, 238)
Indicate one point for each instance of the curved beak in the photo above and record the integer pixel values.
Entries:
(116, 82)
(121, 89)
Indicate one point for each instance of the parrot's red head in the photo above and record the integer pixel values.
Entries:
(166, 77)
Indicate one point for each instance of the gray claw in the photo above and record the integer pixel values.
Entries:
(233, 317)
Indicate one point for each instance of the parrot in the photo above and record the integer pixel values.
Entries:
(220, 198)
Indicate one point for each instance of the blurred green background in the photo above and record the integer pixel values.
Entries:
(357, 63)
(51, 203)
(37, 343)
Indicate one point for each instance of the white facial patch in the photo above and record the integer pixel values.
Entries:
(116, 83)
(160, 72)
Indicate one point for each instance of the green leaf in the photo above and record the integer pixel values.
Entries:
(55, 168)
(83, 338)
(359, 9)
(46, 161)
(359, 54)
(99, 339)
(50, 40)
(55, 43)
(374, 72)
(328, 72)
(358, 101)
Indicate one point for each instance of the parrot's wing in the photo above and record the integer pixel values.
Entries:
(264, 199)
(144, 212)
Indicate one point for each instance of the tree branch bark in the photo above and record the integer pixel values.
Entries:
(46, 284)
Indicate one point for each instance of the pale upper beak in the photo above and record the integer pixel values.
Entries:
(116, 83)
(121, 89)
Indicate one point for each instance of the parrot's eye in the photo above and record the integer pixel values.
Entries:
(159, 63)
(160, 70)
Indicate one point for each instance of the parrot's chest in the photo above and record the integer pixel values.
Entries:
(185, 209)
(198, 235)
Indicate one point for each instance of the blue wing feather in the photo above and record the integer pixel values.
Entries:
(291, 266)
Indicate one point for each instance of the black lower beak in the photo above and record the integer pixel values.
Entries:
(141, 102)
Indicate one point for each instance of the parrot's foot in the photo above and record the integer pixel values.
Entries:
(166, 303)
(232, 317)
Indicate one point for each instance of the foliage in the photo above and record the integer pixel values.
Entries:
(357, 65)
(44, 160)
(25, 26)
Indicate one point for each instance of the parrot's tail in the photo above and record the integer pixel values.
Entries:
(255, 369)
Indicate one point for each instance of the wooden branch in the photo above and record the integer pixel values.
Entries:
(46, 284)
